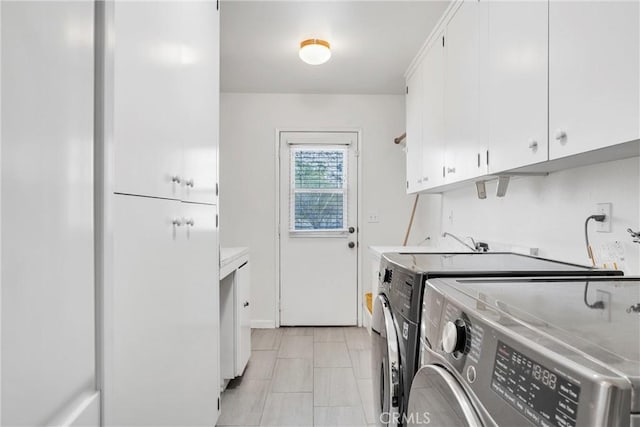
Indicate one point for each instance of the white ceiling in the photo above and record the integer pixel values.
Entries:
(373, 43)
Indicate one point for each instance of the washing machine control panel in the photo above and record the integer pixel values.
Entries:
(542, 395)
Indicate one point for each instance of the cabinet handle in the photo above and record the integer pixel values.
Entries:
(561, 135)
(176, 179)
(190, 222)
(533, 144)
(189, 183)
(246, 304)
(451, 170)
(176, 222)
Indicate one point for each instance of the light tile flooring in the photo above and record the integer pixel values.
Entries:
(303, 377)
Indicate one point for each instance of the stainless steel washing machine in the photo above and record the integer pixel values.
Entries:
(398, 306)
(559, 352)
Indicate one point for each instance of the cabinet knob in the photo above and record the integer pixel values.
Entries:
(189, 183)
(175, 179)
(246, 304)
(177, 222)
(533, 144)
(451, 170)
(561, 135)
(190, 222)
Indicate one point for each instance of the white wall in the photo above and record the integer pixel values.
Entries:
(549, 212)
(248, 181)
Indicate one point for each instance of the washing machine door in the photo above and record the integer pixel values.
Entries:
(385, 364)
(437, 399)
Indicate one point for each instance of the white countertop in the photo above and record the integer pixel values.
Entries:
(231, 259)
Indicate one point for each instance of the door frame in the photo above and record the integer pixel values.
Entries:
(358, 132)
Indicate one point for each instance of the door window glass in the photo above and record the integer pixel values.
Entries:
(318, 190)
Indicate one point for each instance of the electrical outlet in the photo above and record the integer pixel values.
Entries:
(604, 209)
(373, 217)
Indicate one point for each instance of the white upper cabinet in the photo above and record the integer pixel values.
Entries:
(166, 78)
(201, 105)
(414, 132)
(461, 99)
(517, 84)
(433, 139)
(593, 75)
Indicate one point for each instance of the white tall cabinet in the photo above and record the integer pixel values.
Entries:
(47, 266)
(161, 251)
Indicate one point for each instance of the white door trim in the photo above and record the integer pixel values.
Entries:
(278, 131)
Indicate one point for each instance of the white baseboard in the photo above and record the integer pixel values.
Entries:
(263, 324)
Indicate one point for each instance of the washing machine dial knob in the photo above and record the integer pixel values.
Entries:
(454, 336)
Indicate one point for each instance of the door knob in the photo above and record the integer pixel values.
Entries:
(352, 245)
(561, 135)
(351, 230)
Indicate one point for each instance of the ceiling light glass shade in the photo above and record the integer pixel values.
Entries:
(315, 51)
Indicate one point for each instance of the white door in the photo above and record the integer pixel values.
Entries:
(318, 228)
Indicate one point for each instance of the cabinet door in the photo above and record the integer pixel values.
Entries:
(200, 91)
(517, 84)
(163, 352)
(199, 284)
(414, 131)
(462, 93)
(47, 265)
(433, 143)
(149, 63)
(243, 344)
(593, 75)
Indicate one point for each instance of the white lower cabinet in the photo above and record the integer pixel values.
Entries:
(161, 314)
(235, 321)
(243, 286)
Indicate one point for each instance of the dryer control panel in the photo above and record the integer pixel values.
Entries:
(516, 377)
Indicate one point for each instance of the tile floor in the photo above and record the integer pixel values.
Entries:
(303, 377)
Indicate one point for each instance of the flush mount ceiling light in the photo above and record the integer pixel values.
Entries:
(315, 51)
